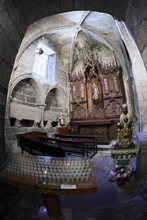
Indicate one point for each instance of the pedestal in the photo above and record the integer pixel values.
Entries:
(52, 210)
(125, 156)
(43, 215)
(63, 130)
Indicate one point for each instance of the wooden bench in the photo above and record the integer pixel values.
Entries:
(89, 140)
(30, 142)
(76, 137)
(33, 135)
(78, 147)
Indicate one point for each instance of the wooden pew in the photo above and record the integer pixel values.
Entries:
(38, 143)
(76, 137)
(88, 140)
(33, 135)
(35, 147)
(72, 146)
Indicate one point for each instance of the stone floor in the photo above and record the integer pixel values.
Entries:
(111, 202)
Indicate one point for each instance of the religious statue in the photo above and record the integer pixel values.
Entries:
(95, 92)
(61, 119)
(82, 91)
(115, 84)
(106, 86)
(74, 92)
(124, 136)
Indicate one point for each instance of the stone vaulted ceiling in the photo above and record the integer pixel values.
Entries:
(17, 15)
(36, 9)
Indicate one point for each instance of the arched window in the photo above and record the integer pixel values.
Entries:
(44, 65)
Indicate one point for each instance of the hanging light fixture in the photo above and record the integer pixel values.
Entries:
(40, 51)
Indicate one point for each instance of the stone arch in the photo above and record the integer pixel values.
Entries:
(34, 84)
(24, 101)
(60, 92)
(24, 93)
(55, 102)
(51, 98)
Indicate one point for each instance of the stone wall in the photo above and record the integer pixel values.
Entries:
(12, 29)
(24, 94)
(11, 32)
(136, 21)
(32, 102)
(138, 73)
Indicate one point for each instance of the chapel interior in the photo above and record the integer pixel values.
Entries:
(73, 110)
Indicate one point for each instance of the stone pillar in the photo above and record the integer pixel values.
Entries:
(41, 107)
(139, 74)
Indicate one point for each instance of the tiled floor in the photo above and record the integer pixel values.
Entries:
(111, 202)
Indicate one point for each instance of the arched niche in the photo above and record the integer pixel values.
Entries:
(25, 98)
(55, 103)
(24, 93)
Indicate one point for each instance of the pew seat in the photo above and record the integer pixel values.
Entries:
(77, 147)
(30, 143)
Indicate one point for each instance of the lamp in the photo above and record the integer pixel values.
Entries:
(39, 51)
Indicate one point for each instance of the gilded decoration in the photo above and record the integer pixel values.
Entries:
(124, 152)
(97, 91)
(124, 135)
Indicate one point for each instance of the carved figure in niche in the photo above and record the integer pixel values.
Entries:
(82, 91)
(115, 84)
(74, 91)
(61, 119)
(106, 86)
(124, 136)
(95, 92)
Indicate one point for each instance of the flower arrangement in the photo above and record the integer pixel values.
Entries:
(121, 173)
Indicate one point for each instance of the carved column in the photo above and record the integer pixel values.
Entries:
(41, 107)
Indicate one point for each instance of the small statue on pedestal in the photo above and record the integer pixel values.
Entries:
(61, 120)
(124, 136)
(82, 91)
